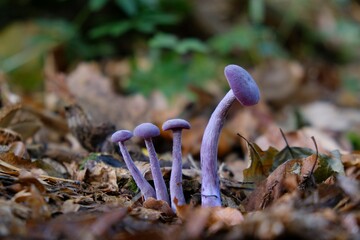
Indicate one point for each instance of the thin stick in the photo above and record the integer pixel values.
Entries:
(317, 155)
(286, 142)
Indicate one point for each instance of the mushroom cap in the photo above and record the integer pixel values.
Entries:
(121, 136)
(177, 123)
(146, 130)
(242, 84)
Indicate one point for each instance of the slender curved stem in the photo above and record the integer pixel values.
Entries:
(146, 189)
(210, 184)
(176, 190)
(160, 187)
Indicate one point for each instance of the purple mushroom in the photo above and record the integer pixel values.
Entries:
(120, 137)
(147, 131)
(245, 90)
(176, 190)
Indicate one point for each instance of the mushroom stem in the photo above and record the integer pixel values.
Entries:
(160, 187)
(210, 183)
(176, 190)
(144, 186)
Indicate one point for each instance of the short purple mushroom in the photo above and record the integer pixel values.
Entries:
(245, 90)
(146, 189)
(147, 131)
(176, 190)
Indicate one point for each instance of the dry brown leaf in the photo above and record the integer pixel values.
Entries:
(70, 206)
(15, 161)
(93, 91)
(352, 164)
(19, 149)
(105, 221)
(12, 217)
(27, 178)
(159, 205)
(196, 222)
(8, 136)
(214, 218)
(146, 213)
(278, 182)
(101, 176)
(35, 200)
(92, 137)
(342, 119)
(281, 79)
(8, 113)
(223, 218)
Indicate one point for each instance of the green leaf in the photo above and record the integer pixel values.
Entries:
(256, 10)
(131, 185)
(162, 40)
(114, 29)
(144, 26)
(328, 165)
(289, 153)
(244, 37)
(96, 5)
(128, 6)
(354, 139)
(190, 45)
(159, 17)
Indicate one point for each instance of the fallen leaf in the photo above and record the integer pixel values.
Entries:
(277, 183)
(93, 91)
(261, 163)
(159, 205)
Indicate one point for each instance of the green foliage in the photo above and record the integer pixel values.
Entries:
(257, 10)
(171, 42)
(172, 74)
(174, 64)
(328, 165)
(96, 5)
(290, 153)
(143, 16)
(256, 42)
(354, 139)
(168, 35)
(131, 185)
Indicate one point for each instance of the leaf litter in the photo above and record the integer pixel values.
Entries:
(61, 178)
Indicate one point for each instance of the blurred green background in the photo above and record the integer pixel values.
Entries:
(171, 44)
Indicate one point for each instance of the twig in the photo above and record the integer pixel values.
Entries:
(286, 142)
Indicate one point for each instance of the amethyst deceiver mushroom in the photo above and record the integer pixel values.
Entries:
(147, 131)
(146, 189)
(245, 90)
(176, 190)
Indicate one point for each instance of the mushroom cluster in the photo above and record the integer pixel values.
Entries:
(147, 131)
(243, 89)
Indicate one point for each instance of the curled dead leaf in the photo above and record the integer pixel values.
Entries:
(159, 205)
(223, 218)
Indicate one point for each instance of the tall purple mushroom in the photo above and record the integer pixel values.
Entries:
(245, 90)
(147, 131)
(176, 190)
(120, 137)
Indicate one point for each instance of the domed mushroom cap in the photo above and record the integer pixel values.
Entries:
(242, 84)
(121, 136)
(146, 130)
(175, 124)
